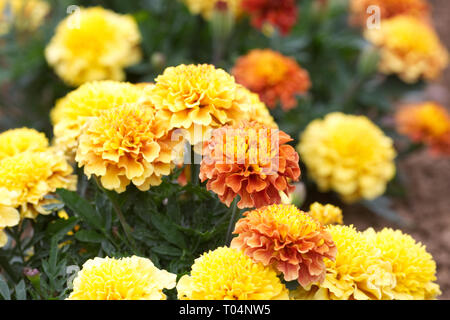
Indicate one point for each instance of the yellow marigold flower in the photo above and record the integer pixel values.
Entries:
(252, 108)
(206, 7)
(132, 278)
(228, 274)
(72, 112)
(410, 48)
(288, 239)
(274, 77)
(127, 144)
(388, 9)
(9, 216)
(413, 267)
(25, 15)
(94, 44)
(189, 95)
(426, 122)
(358, 273)
(15, 141)
(348, 154)
(325, 214)
(32, 176)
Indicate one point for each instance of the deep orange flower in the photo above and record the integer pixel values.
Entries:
(273, 76)
(249, 160)
(287, 238)
(388, 9)
(280, 13)
(426, 122)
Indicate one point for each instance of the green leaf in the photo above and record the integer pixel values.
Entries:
(60, 227)
(81, 208)
(4, 290)
(168, 229)
(89, 236)
(168, 250)
(21, 294)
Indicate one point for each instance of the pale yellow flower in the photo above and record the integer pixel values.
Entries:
(94, 44)
(348, 154)
(132, 278)
(206, 7)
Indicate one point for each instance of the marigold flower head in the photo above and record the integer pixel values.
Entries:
(348, 154)
(207, 7)
(325, 214)
(280, 13)
(25, 15)
(410, 48)
(127, 144)
(131, 278)
(228, 274)
(357, 273)
(15, 141)
(388, 9)
(288, 239)
(30, 176)
(413, 267)
(73, 111)
(9, 216)
(426, 122)
(94, 44)
(249, 160)
(189, 95)
(274, 77)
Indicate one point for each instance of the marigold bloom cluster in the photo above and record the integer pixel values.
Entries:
(25, 15)
(426, 122)
(373, 265)
(410, 48)
(73, 111)
(326, 214)
(388, 9)
(94, 44)
(288, 239)
(190, 95)
(281, 14)
(132, 278)
(127, 144)
(274, 77)
(348, 154)
(206, 7)
(9, 216)
(228, 274)
(249, 160)
(413, 267)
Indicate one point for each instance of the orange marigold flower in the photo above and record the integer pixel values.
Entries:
(280, 13)
(426, 122)
(249, 160)
(289, 239)
(388, 9)
(127, 144)
(273, 76)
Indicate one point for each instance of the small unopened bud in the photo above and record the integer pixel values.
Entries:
(297, 197)
(158, 60)
(30, 272)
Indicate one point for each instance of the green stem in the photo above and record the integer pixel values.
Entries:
(234, 211)
(126, 227)
(195, 169)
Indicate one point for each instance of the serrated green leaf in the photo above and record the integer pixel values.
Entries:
(20, 291)
(167, 250)
(4, 289)
(60, 227)
(89, 236)
(168, 229)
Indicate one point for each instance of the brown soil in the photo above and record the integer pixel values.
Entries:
(428, 179)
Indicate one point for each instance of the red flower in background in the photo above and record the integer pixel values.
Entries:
(279, 13)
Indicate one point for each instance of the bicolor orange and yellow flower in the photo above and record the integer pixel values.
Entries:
(348, 154)
(427, 123)
(94, 44)
(288, 239)
(249, 160)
